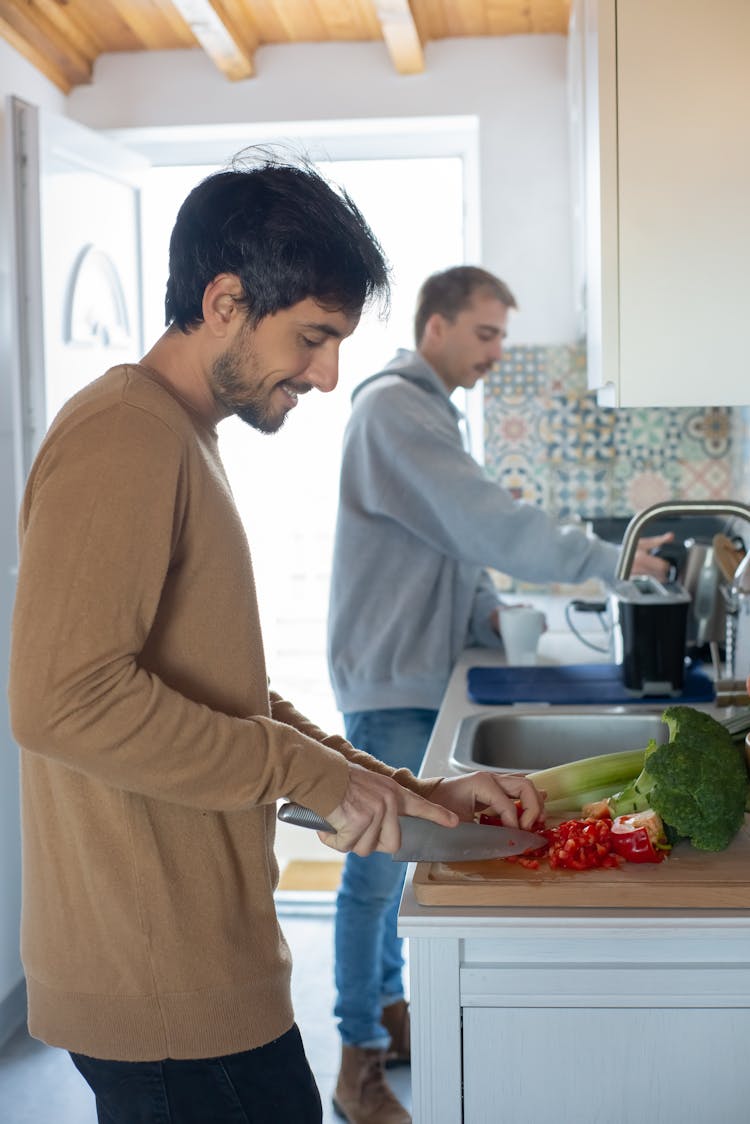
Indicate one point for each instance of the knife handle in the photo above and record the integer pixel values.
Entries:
(303, 817)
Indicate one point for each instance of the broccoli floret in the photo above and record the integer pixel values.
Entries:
(697, 781)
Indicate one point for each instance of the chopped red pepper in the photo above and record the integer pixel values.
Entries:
(596, 841)
(580, 845)
(573, 845)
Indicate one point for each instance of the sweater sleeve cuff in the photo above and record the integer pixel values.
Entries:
(325, 790)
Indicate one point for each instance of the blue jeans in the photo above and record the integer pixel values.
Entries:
(369, 961)
(265, 1086)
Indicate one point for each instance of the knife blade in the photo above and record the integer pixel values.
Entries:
(424, 841)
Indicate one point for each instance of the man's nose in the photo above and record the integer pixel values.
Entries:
(496, 350)
(323, 372)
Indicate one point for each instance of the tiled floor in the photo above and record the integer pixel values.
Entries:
(38, 1085)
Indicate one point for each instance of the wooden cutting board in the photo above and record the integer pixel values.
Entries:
(688, 879)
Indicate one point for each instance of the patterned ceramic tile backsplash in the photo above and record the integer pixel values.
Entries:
(550, 444)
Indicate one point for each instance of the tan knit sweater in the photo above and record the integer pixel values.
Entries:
(152, 753)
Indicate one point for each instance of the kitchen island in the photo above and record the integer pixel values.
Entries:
(577, 1015)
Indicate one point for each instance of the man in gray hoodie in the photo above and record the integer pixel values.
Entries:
(418, 523)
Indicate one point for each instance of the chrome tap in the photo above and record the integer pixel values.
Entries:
(636, 525)
(738, 597)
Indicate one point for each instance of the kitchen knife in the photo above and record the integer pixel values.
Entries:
(424, 841)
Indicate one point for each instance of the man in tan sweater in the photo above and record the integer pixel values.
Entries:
(153, 752)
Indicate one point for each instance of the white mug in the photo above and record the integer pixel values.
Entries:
(520, 629)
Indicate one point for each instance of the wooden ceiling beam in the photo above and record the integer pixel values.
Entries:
(401, 35)
(215, 30)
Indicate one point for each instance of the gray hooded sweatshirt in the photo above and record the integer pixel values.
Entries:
(418, 521)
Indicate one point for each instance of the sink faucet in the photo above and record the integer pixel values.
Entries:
(636, 525)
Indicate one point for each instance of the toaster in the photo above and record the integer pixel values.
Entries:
(649, 634)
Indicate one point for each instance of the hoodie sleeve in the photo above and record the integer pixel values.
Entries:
(411, 467)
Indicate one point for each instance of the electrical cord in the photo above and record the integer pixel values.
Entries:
(598, 607)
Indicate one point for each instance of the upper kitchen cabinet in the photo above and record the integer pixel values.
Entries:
(660, 116)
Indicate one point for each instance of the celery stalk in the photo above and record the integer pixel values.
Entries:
(579, 800)
(575, 783)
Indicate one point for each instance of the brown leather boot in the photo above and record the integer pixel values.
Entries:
(362, 1094)
(395, 1019)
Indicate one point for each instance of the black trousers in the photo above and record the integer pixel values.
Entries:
(271, 1085)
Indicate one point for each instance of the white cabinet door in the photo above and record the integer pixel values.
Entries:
(667, 217)
(616, 1065)
(77, 232)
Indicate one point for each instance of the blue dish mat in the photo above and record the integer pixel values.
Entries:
(581, 684)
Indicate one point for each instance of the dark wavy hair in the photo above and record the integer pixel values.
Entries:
(284, 231)
(451, 291)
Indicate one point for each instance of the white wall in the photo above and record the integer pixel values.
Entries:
(17, 77)
(515, 85)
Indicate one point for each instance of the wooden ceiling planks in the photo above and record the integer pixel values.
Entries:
(444, 19)
(153, 24)
(352, 22)
(63, 38)
(54, 46)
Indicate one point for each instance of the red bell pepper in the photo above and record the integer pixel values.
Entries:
(639, 838)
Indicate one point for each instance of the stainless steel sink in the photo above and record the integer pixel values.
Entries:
(523, 741)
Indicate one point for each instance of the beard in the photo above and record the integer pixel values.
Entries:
(230, 389)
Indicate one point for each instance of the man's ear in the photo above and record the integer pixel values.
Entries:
(434, 328)
(221, 307)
